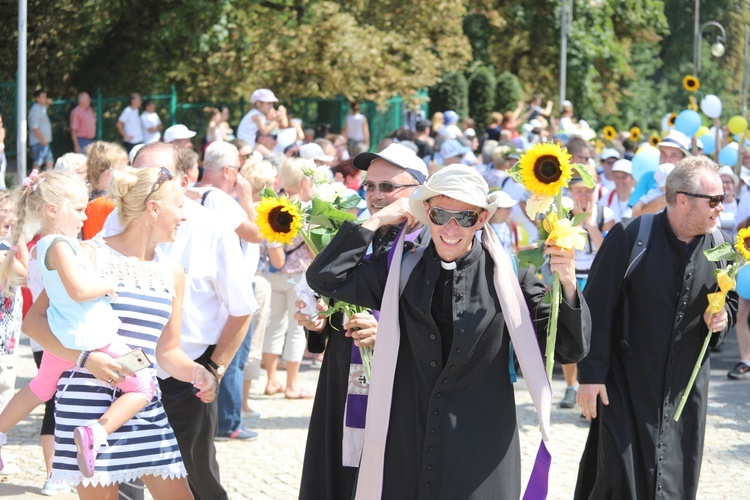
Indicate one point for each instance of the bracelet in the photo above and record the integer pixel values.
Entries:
(85, 358)
(80, 357)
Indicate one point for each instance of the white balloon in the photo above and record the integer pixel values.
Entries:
(711, 106)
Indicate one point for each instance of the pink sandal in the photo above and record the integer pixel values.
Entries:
(84, 439)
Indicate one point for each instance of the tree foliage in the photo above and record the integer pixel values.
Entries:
(508, 92)
(451, 92)
(482, 84)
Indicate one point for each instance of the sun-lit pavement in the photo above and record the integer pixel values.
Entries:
(270, 467)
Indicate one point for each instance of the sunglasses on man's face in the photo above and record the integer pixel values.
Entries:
(385, 187)
(164, 176)
(464, 218)
(712, 200)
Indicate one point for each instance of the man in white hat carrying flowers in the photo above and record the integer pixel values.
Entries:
(440, 420)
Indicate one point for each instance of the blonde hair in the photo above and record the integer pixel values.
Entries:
(132, 188)
(260, 175)
(70, 162)
(291, 173)
(100, 157)
(53, 187)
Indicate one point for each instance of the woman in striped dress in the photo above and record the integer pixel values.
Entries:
(149, 305)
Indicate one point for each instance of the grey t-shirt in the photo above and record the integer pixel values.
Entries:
(38, 119)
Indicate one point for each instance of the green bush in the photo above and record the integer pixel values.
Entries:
(482, 84)
(507, 92)
(452, 92)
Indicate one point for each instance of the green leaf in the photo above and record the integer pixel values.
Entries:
(725, 251)
(578, 219)
(588, 179)
(543, 234)
(532, 256)
(515, 172)
(350, 202)
(268, 193)
(322, 221)
(547, 299)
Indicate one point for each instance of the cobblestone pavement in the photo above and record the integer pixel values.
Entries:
(270, 467)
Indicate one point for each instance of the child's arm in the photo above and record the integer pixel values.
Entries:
(60, 257)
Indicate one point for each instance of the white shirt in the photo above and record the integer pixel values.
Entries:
(131, 123)
(248, 129)
(149, 120)
(620, 209)
(216, 284)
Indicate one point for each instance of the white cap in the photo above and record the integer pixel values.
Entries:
(313, 151)
(470, 132)
(176, 132)
(678, 140)
(567, 104)
(134, 151)
(662, 172)
(610, 153)
(398, 155)
(623, 166)
(263, 95)
(504, 200)
(451, 148)
(727, 170)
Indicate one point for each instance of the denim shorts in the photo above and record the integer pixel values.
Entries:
(41, 154)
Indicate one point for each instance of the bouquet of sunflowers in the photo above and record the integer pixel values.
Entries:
(280, 219)
(545, 170)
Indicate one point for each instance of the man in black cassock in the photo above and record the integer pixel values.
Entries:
(391, 175)
(647, 335)
(452, 430)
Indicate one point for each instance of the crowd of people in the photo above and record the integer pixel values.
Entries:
(186, 287)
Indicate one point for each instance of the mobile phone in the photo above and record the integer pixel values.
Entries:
(134, 360)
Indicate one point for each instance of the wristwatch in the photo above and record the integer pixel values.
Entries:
(218, 369)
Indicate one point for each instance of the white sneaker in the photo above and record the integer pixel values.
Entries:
(49, 489)
(10, 469)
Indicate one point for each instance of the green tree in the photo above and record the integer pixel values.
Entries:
(508, 92)
(451, 92)
(482, 84)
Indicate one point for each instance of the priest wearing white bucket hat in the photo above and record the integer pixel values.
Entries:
(440, 419)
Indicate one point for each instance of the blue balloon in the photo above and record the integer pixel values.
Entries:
(709, 144)
(688, 122)
(728, 155)
(646, 160)
(743, 282)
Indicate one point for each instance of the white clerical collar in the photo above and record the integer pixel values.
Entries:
(448, 266)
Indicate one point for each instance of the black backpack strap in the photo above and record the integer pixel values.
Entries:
(205, 195)
(637, 253)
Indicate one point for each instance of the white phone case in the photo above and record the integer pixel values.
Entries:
(134, 360)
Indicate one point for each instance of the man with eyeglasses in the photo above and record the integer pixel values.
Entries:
(648, 331)
(330, 468)
(440, 420)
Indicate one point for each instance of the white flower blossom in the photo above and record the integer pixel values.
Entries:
(329, 192)
(538, 204)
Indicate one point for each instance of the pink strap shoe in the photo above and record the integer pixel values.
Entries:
(84, 438)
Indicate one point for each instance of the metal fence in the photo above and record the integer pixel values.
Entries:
(320, 114)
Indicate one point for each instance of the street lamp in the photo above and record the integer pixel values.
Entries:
(717, 49)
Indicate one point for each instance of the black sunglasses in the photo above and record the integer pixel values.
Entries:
(164, 176)
(712, 200)
(385, 187)
(464, 218)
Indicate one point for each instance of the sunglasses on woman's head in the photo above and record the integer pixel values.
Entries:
(464, 218)
(164, 176)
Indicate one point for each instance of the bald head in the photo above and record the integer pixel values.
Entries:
(158, 154)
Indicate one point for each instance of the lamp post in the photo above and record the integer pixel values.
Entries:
(717, 49)
(566, 18)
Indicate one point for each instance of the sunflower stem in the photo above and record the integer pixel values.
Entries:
(696, 369)
(549, 351)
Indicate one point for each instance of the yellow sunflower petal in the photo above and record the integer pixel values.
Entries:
(278, 219)
(609, 133)
(691, 83)
(716, 302)
(743, 244)
(545, 169)
(635, 134)
(654, 140)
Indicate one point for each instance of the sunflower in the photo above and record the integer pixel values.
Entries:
(278, 219)
(691, 83)
(654, 140)
(671, 119)
(609, 133)
(545, 169)
(743, 243)
(635, 134)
